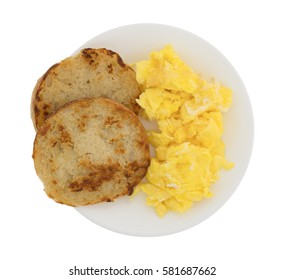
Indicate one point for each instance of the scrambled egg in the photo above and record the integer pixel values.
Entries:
(188, 146)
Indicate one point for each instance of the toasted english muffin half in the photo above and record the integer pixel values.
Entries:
(90, 151)
(90, 73)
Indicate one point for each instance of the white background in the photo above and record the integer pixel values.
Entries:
(42, 240)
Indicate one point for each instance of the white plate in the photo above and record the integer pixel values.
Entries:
(134, 43)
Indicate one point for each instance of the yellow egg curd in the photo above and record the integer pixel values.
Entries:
(189, 152)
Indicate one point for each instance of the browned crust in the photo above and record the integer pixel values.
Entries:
(36, 98)
(89, 54)
(93, 180)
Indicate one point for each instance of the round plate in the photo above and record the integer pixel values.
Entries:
(134, 43)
